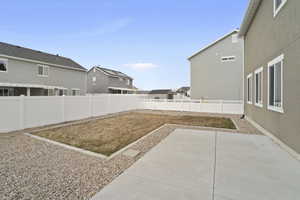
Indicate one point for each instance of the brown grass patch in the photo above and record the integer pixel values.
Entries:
(109, 135)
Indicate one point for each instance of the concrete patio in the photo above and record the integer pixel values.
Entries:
(209, 165)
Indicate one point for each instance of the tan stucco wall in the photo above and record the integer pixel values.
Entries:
(267, 38)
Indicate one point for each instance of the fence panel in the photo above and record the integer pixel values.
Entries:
(26, 112)
(208, 106)
(233, 108)
(10, 116)
(100, 105)
(76, 107)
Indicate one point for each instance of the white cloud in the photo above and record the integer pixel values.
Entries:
(141, 66)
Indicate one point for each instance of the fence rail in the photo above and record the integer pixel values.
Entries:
(26, 112)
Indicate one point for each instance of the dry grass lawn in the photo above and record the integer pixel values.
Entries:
(109, 135)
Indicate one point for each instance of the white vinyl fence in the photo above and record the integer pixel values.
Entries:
(18, 113)
(26, 112)
(206, 106)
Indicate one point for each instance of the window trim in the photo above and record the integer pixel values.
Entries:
(227, 57)
(257, 71)
(250, 76)
(270, 64)
(276, 11)
(44, 66)
(6, 61)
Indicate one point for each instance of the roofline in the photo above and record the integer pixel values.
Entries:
(99, 68)
(119, 88)
(41, 62)
(213, 43)
(248, 18)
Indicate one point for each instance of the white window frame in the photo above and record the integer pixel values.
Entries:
(6, 62)
(228, 59)
(277, 10)
(259, 70)
(270, 64)
(44, 67)
(250, 76)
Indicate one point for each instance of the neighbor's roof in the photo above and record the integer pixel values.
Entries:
(250, 14)
(183, 89)
(161, 91)
(111, 72)
(212, 44)
(33, 55)
(142, 91)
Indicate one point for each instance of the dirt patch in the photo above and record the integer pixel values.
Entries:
(109, 135)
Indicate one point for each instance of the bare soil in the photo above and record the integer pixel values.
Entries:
(109, 135)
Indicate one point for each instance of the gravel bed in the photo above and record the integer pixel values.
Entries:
(33, 169)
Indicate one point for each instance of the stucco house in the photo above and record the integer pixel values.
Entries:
(104, 80)
(29, 72)
(216, 70)
(271, 31)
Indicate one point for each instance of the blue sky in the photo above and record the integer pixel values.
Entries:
(148, 40)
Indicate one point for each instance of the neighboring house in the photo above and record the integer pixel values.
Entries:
(271, 31)
(142, 92)
(216, 70)
(161, 94)
(29, 72)
(184, 91)
(103, 80)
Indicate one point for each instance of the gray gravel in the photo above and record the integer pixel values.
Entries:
(33, 169)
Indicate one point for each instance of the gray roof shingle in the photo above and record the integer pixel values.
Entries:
(26, 53)
(114, 73)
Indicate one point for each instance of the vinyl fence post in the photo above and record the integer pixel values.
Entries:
(21, 106)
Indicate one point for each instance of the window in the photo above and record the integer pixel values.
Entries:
(5, 92)
(228, 59)
(3, 65)
(128, 81)
(63, 92)
(94, 79)
(259, 87)
(43, 70)
(249, 89)
(75, 92)
(278, 5)
(51, 92)
(275, 70)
